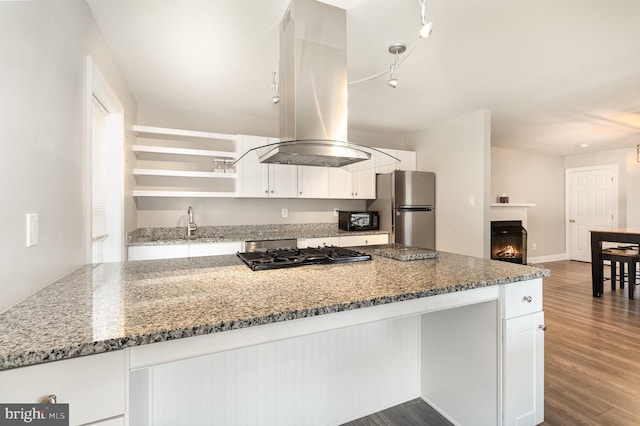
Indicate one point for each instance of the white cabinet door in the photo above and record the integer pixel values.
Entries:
(93, 386)
(340, 183)
(264, 180)
(524, 370)
(214, 249)
(253, 176)
(363, 240)
(364, 184)
(283, 181)
(358, 184)
(167, 251)
(313, 182)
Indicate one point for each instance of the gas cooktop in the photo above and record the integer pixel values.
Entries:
(287, 258)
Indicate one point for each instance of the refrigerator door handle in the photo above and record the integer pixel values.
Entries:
(415, 208)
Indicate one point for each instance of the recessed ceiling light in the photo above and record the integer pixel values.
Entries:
(582, 145)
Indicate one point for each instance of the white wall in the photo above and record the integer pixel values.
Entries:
(528, 177)
(43, 153)
(458, 151)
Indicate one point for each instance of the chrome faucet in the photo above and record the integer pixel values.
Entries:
(191, 225)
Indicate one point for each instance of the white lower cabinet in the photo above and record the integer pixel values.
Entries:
(363, 240)
(173, 251)
(215, 249)
(523, 354)
(165, 251)
(93, 386)
(318, 242)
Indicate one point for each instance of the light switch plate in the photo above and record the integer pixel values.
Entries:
(32, 229)
(285, 212)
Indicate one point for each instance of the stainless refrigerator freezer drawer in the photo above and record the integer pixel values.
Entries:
(415, 228)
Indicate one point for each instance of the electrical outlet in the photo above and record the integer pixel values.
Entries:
(285, 212)
(32, 229)
(335, 212)
(534, 246)
(472, 201)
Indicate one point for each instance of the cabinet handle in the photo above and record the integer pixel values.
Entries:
(527, 299)
(300, 192)
(50, 399)
(266, 191)
(366, 241)
(543, 327)
(272, 191)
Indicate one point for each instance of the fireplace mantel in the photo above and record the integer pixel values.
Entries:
(510, 211)
(513, 205)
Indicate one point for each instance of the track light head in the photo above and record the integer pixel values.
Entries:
(275, 99)
(426, 29)
(392, 82)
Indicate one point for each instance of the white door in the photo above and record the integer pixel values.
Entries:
(592, 205)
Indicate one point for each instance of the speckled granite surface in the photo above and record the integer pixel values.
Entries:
(113, 306)
(404, 253)
(213, 234)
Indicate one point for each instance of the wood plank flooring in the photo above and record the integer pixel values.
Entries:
(592, 357)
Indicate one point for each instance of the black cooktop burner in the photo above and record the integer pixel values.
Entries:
(287, 258)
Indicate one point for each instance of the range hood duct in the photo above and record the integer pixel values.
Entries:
(313, 89)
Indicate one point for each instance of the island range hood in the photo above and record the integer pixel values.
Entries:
(313, 90)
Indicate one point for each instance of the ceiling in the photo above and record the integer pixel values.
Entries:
(554, 74)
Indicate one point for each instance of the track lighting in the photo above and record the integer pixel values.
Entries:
(395, 49)
(276, 89)
(426, 26)
(426, 29)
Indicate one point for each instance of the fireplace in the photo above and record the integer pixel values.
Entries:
(509, 241)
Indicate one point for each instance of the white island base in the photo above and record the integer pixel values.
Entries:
(476, 356)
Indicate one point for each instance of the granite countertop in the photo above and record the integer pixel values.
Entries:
(214, 234)
(111, 306)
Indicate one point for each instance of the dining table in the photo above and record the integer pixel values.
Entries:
(629, 236)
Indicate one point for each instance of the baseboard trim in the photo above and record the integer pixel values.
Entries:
(549, 258)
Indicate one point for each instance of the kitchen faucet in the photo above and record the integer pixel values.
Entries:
(191, 225)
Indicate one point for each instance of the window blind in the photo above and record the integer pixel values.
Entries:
(98, 170)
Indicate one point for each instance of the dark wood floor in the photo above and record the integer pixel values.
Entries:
(592, 357)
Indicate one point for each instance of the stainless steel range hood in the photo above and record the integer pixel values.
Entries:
(313, 92)
(313, 88)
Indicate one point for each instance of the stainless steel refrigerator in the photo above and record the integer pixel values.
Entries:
(406, 202)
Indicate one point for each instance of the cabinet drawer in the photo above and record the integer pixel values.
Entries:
(93, 386)
(214, 249)
(363, 240)
(522, 298)
(318, 242)
(168, 251)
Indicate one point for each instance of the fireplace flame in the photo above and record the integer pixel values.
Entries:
(508, 252)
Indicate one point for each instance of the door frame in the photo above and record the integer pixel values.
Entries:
(567, 197)
(98, 87)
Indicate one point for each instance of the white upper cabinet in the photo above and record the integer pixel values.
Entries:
(264, 180)
(313, 182)
(407, 161)
(359, 184)
(186, 163)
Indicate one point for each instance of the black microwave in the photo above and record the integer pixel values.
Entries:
(358, 221)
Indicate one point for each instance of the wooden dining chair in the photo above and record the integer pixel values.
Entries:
(628, 259)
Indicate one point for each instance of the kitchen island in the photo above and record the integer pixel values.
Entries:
(327, 342)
